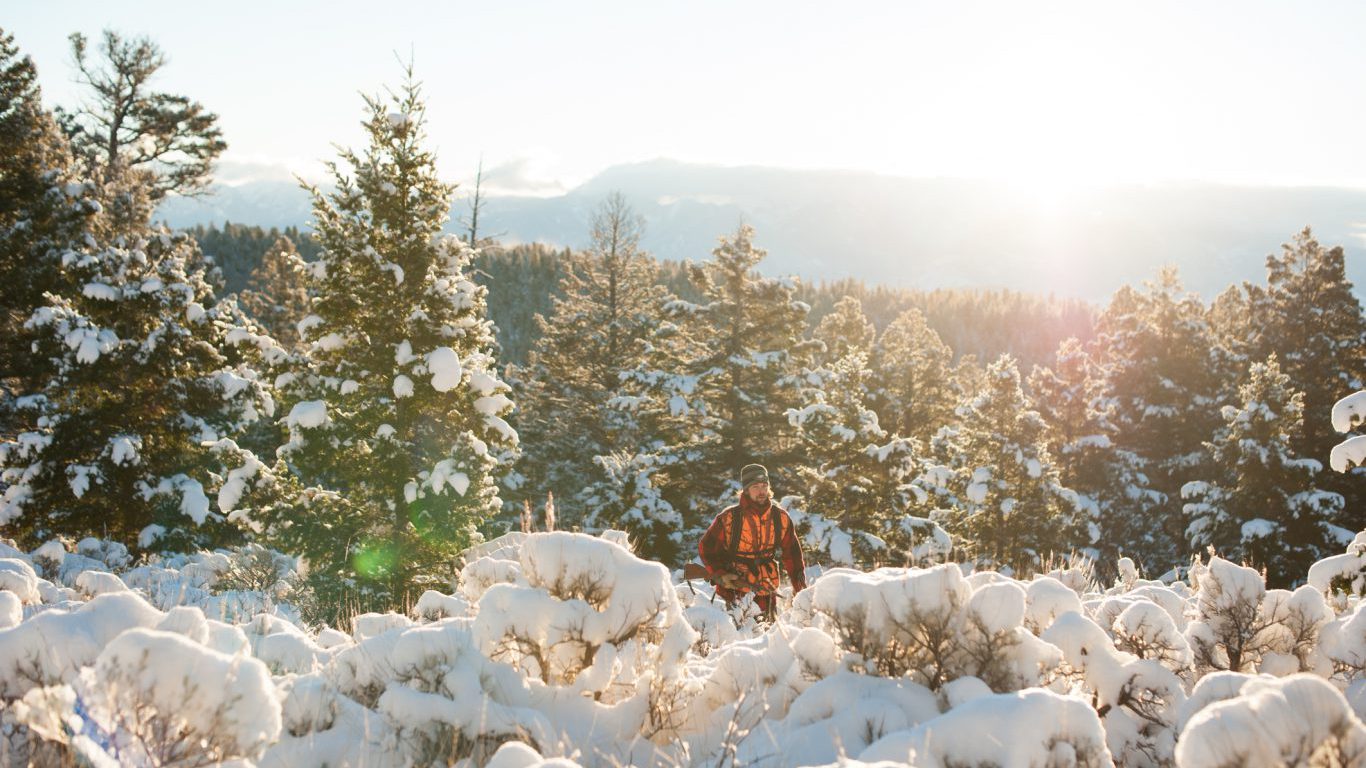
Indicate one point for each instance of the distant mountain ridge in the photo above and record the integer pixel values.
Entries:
(907, 232)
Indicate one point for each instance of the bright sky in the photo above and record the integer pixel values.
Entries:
(1042, 94)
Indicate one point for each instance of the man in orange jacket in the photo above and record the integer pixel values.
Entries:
(743, 546)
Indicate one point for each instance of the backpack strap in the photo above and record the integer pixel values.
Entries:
(737, 520)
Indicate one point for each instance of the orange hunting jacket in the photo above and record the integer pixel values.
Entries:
(755, 559)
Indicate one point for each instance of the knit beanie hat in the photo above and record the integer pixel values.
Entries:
(751, 474)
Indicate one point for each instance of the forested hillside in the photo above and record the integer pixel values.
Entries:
(524, 278)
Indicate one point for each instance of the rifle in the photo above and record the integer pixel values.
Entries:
(695, 571)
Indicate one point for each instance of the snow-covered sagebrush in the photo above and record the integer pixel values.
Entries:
(568, 649)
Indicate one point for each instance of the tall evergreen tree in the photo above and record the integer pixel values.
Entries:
(1159, 361)
(609, 301)
(1263, 506)
(912, 381)
(844, 331)
(1082, 438)
(1009, 506)
(850, 468)
(126, 128)
(721, 377)
(1308, 315)
(276, 295)
(43, 209)
(139, 389)
(395, 410)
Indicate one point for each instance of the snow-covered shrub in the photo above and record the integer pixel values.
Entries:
(1047, 599)
(324, 729)
(1290, 636)
(18, 576)
(361, 671)
(839, 715)
(1347, 415)
(11, 610)
(253, 568)
(1342, 643)
(483, 572)
(434, 606)
(585, 600)
(368, 625)
(915, 628)
(54, 562)
(1343, 574)
(707, 615)
(1028, 728)
(1212, 688)
(755, 681)
(515, 754)
(95, 583)
(232, 585)
(167, 700)
(1137, 699)
(447, 702)
(1147, 631)
(282, 646)
(1298, 720)
(53, 646)
(931, 625)
(1228, 617)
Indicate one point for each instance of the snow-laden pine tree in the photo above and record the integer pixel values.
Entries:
(1081, 437)
(395, 411)
(851, 469)
(1263, 505)
(43, 209)
(1309, 316)
(1008, 506)
(1158, 359)
(140, 382)
(913, 383)
(276, 295)
(609, 301)
(844, 331)
(723, 383)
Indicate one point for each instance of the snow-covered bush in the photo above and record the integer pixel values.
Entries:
(53, 646)
(1146, 630)
(448, 702)
(1028, 728)
(1343, 574)
(1228, 617)
(1137, 699)
(1348, 413)
(589, 606)
(1298, 720)
(1342, 643)
(933, 626)
(839, 715)
(159, 698)
(563, 644)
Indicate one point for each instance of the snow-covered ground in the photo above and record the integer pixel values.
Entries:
(566, 649)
